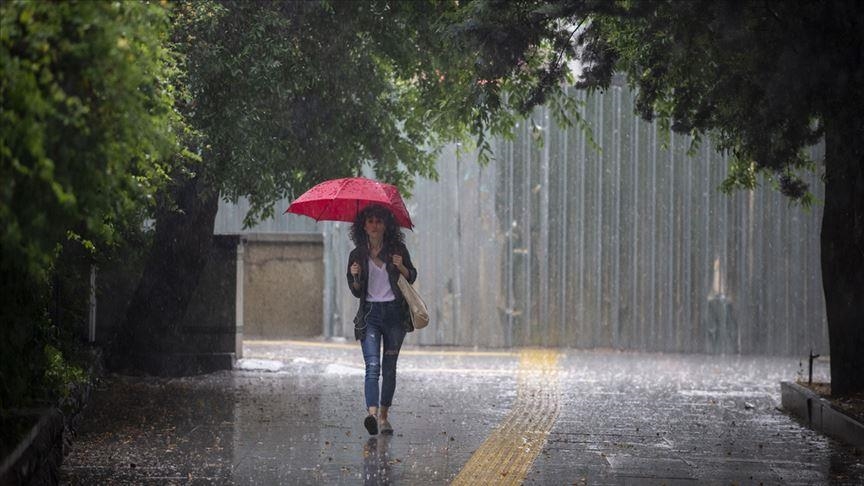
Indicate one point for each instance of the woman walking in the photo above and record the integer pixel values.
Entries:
(374, 265)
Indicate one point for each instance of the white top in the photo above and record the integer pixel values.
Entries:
(379, 284)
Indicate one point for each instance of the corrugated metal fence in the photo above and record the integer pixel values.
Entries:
(629, 247)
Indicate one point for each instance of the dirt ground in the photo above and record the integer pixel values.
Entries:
(851, 405)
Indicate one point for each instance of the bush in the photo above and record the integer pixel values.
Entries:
(88, 134)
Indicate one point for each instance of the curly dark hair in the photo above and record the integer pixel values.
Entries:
(392, 234)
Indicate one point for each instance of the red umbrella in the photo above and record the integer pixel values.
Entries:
(342, 199)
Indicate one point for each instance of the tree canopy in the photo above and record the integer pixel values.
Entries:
(88, 126)
(287, 94)
(758, 76)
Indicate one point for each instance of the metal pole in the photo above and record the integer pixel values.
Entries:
(238, 298)
(810, 376)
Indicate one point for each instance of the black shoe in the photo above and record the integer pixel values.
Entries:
(386, 428)
(371, 424)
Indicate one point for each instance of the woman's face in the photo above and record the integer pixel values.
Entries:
(374, 227)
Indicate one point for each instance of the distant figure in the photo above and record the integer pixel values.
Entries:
(374, 265)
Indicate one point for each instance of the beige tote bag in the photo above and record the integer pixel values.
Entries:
(419, 313)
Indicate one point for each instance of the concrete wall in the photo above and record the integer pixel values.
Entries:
(283, 285)
(260, 286)
(210, 327)
(210, 332)
(115, 286)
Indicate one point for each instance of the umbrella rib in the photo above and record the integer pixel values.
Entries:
(330, 203)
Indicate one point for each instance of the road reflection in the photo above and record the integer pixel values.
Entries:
(376, 460)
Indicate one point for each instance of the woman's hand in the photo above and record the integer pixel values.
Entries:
(355, 272)
(397, 262)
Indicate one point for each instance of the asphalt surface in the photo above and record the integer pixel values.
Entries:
(292, 414)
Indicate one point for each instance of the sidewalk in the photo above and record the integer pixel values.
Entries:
(294, 416)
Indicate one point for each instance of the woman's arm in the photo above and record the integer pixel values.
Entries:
(355, 283)
(406, 268)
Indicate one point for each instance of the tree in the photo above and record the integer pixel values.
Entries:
(283, 95)
(87, 129)
(766, 79)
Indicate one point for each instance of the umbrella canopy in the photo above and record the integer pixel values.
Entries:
(342, 199)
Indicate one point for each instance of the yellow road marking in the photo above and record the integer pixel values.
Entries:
(510, 450)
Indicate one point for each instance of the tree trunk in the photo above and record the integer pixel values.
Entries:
(184, 234)
(843, 248)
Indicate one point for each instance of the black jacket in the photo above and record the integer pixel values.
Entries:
(361, 256)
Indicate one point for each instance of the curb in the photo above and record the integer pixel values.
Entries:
(39, 454)
(818, 414)
(37, 458)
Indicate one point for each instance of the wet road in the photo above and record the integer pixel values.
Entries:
(293, 415)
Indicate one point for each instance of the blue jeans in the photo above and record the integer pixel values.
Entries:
(383, 325)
